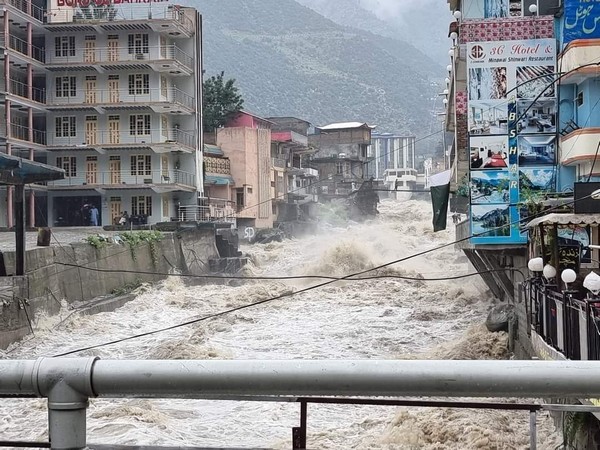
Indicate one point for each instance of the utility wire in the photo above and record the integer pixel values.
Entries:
(350, 277)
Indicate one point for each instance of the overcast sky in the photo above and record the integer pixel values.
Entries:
(385, 8)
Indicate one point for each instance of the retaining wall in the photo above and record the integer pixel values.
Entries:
(99, 272)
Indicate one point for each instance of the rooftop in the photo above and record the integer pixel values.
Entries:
(345, 126)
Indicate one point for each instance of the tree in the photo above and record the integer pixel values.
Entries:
(221, 100)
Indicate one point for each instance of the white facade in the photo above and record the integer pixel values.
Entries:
(390, 151)
(116, 102)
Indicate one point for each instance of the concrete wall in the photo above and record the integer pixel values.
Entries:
(100, 272)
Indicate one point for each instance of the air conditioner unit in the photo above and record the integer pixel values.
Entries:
(139, 56)
(341, 155)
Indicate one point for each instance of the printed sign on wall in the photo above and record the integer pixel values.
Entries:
(581, 20)
(512, 134)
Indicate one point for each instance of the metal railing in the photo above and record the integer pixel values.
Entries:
(69, 383)
(123, 138)
(123, 96)
(153, 12)
(22, 133)
(21, 46)
(279, 162)
(207, 213)
(28, 8)
(127, 177)
(21, 89)
(567, 323)
(110, 55)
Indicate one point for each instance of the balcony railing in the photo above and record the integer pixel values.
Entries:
(114, 55)
(207, 213)
(123, 138)
(123, 96)
(116, 178)
(21, 46)
(568, 323)
(152, 13)
(279, 162)
(21, 133)
(27, 7)
(21, 89)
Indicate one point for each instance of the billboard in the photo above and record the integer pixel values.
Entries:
(512, 109)
(581, 20)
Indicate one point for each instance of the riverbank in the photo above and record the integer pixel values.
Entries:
(78, 272)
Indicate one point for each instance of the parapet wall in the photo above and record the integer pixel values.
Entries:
(81, 272)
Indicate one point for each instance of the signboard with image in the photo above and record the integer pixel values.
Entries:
(512, 126)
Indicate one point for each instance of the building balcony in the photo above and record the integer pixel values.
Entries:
(28, 95)
(170, 20)
(164, 59)
(581, 58)
(279, 163)
(28, 9)
(218, 210)
(22, 50)
(171, 100)
(579, 146)
(159, 141)
(157, 180)
(23, 136)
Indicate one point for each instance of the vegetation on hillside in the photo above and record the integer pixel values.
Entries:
(221, 99)
(289, 60)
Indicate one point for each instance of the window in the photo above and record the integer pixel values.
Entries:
(239, 197)
(141, 205)
(64, 46)
(579, 99)
(138, 44)
(141, 165)
(66, 126)
(339, 168)
(68, 164)
(139, 124)
(66, 86)
(139, 84)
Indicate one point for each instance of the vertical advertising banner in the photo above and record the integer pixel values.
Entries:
(512, 134)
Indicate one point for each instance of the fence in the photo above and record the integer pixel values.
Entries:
(566, 322)
(69, 383)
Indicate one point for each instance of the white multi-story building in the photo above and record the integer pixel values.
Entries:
(110, 94)
(390, 151)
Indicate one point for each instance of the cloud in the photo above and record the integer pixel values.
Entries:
(386, 8)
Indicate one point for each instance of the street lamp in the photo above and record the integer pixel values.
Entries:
(568, 276)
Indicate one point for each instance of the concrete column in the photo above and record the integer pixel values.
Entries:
(20, 229)
(29, 39)
(31, 208)
(29, 81)
(9, 194)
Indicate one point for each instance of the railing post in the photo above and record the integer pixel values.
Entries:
(532, 430)
(299, 433)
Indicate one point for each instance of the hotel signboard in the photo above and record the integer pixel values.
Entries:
(512, 134)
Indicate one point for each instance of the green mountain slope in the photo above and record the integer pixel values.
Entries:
(289, 60)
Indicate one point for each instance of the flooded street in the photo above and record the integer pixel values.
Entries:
(385, 318)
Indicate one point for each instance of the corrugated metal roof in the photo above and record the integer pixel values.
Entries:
(345, 125)
(566, 219)
(210, 149)
(219, 180)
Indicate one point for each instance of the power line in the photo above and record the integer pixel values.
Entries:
(350, 277)
(268, 300)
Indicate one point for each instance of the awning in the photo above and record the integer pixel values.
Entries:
(565, 219)
(213, 150)
(218, 180)
(14, 170)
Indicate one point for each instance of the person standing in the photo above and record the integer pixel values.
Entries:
(94, 216)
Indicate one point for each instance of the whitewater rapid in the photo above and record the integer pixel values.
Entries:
(378, 319)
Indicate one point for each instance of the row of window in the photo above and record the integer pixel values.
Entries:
(140, 164)
(139, 125)
(137, 43)
(141, 205)
(139, 84)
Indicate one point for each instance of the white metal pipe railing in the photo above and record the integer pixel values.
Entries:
(68, 383)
